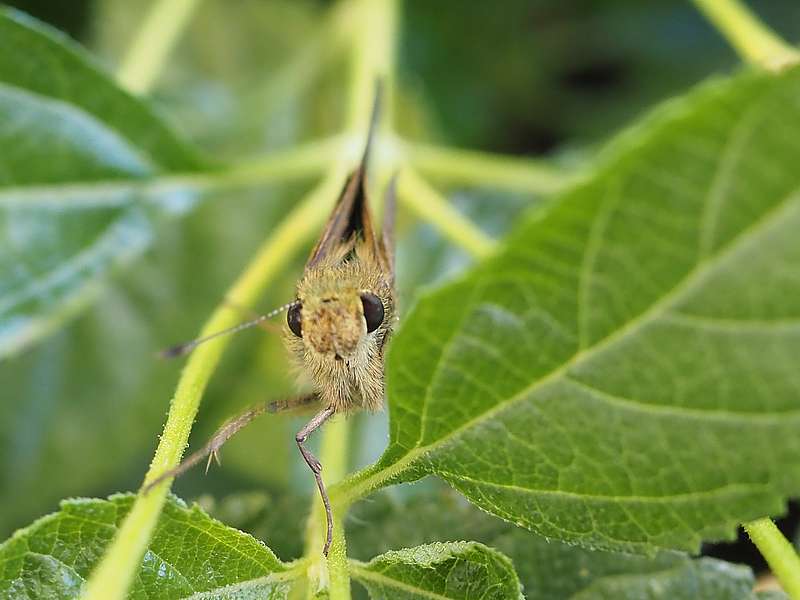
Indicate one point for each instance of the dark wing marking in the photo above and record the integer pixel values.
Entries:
(344, 220)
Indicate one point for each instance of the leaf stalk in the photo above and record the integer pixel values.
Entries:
(779, 553)
(421, 198)
(467, 167)
(752, 39)
(154, 40)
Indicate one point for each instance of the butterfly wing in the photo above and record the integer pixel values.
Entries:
(351, 218)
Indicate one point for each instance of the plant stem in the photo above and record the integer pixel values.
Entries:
(333, 456)
(294, 77)
(431, 206)
(153, 42)
(338, 568)
(310, 160)
(372, 59)
(300, 162)
(113, 575)
(779, 553)
(465, 167)
(753, 40)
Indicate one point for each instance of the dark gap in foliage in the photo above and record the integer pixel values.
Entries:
(597, 75)
(71, 17)
(744, 551)
(530, 138)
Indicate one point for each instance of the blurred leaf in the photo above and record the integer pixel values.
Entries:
(190, 555)
(559, 74)
(241, 82)
(278, 519)
(81, 178)
(771, 595)
(43, 66)
(457, 570)
(548, 570)
(80, 414)
(590, 380)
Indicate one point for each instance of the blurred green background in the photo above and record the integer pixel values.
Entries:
(80, 413)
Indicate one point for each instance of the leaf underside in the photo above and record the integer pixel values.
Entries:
(79, 170)
(622, 375)
(194, 556)
(455, 570)
(189, 556)
(547, 569)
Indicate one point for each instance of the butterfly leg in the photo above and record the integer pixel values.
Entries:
(224, 433)
(294, 404)
(316, 467)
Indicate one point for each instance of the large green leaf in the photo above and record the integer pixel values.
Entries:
(81, 177)
(548, 570)
(190, 555)
(620, 375)
(454, 570)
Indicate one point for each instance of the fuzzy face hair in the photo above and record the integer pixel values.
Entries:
(342, 358)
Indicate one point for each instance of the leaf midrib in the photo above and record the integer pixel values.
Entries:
(100, 247)
(360, 572)
(75, 112)
(693, 277)
(101, 189)
(731, 488)
(715, 414)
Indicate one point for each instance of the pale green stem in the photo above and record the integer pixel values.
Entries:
(333, 457)
(303, 162)
(113, 576)
(416, 194)
(293, 78)
(153, 42)
(753, 40)
(779, 553)
(338, 568)
(373, 59)
(308, 160)
(334, 450)
(465, 167)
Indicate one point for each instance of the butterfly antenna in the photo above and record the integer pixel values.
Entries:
(186, 347)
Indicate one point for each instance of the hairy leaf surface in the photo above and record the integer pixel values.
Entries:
(190, 555)
(455, 570)
(622, 373)
(548, 570)
(82, 177)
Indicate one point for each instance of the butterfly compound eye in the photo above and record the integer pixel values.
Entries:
(373, 311)
(294, 320)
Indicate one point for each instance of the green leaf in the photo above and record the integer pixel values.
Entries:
(190, 555)
(82, 178)
(455, 570)
(80, 413)
(548, 570)
(685, 579)
(621, 374)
